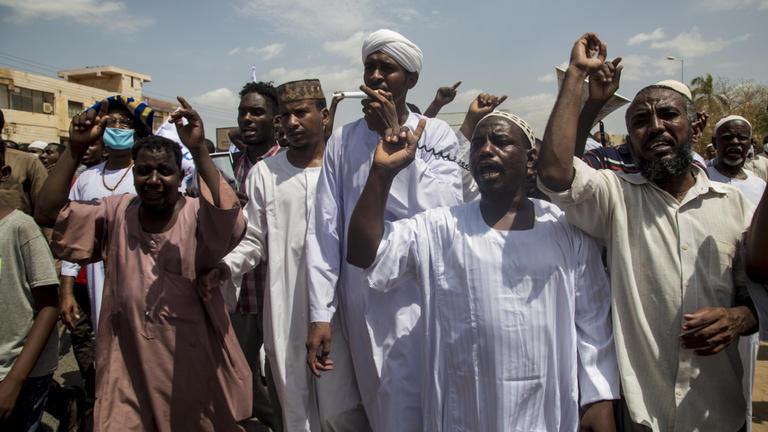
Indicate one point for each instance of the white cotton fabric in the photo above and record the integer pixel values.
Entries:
(731, 117)
(89, 186)
(676, 86)
(383, 330)
(406, 53)
(41, 145)
(752, 187)
(168, 130)
(518, 326)
(279, 198)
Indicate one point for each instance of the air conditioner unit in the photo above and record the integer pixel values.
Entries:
(47, 108)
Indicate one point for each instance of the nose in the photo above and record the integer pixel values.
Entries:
(291, 122)
(376, 75)
(655, 123)
(154, 177)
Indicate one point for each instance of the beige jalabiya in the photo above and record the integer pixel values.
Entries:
(165, 359)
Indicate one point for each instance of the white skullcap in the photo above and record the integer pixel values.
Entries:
(725, 120)
(395, 45)
(676, 86)
(38, 145)
(527, 130)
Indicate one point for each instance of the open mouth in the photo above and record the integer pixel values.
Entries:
(487, 171)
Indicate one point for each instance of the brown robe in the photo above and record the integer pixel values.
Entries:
(165, 359)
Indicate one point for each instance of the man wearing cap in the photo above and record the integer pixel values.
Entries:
(732, 139)
(384, 332)
(27, 177)
(516, 302)
(679, 295)
(281, 190)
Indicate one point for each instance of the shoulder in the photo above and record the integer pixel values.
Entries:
(89, 173)
(23, 225)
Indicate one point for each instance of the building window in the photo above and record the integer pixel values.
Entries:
(23, 99)
(74, 108)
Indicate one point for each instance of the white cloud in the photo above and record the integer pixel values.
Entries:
(233, 51)
(641, 67)
(721, 5)
(348, 48)
(332, 79)
(645, 37)
(550, 77)
(93, 12)
(534, 109)
(464, 98)
(314, 18)
(405, 14)
(686, 44)
(221, 98)
(267, 52)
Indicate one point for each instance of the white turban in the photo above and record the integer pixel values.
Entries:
(725, 120)
(396, 46)
(40, 145)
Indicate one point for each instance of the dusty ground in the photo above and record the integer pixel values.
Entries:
(68, 374)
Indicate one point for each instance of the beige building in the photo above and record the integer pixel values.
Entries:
(38, 107)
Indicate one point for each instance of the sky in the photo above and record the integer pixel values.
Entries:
(205, 50)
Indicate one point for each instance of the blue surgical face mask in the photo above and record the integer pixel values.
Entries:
(118, 139)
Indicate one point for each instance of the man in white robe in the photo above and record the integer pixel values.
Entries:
(383, 332)
(281, 191)
(516, 302)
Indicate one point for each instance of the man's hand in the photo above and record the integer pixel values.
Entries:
(604, 82)
(9, 392)
(445, 95)
(699, 125)
(337, 97)
(69, 310)
(599, 417)
(211, 279)
(380, 111)
(242, 197)
(192, 133)
(483, 105)
(397, 148)
(87, 128)
(236, 138)
(583, 54)
(319, 334)
(710, 330)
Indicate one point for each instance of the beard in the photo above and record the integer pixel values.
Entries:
(659, 169)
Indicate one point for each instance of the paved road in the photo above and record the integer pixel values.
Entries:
(68, 374)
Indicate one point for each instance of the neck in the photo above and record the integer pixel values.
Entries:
(402, 112)
(730, 171)
(5, 210)
(154, 220)
(255, 151)
(308, 156)
(502, 213)
(118, 161)
(677, 186)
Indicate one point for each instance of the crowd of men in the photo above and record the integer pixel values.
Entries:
(397, 275)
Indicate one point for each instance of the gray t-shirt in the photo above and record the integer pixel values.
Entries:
(25, 264)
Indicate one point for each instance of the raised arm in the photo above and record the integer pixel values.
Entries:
(193, 136)
(600, 92)
(337, 97)
(556, 155)
(84, 130)
(396, 150)
(757, 238)
(443, 97)
(483, 105)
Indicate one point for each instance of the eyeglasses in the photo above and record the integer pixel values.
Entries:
(119, 123)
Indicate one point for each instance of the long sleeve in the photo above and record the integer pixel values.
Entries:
(590, 200)
(252, 248)
(598, 369)
(219, 229)
(80, 233)
(69, 268)
(397, 258)
(468, 185)
(325, 234)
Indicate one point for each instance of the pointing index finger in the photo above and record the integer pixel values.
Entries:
(455, 86)
(184, 102)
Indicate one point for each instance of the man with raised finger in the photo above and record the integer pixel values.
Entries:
(679, 292)
(382, 334)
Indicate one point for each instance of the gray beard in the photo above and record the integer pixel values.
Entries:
(669, 167)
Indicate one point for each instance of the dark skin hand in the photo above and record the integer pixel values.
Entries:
(710, 330)
(444, 96)
(47, 304)
(70, 311)
(337, 97)
(483, 105)
(599, 417)
(600, 92)
(381, 106)
(84, 130)
(317, 359)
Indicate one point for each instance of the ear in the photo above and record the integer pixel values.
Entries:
(533, 157)
(412, 79)
(326, 116)
(5, 173)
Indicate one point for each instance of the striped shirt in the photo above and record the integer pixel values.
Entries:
(252, 289)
